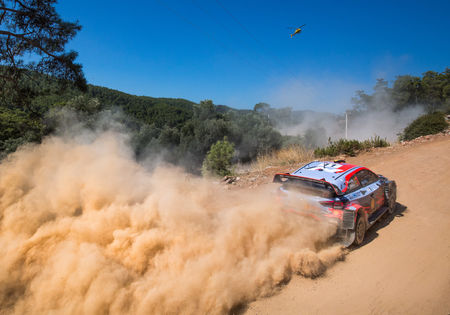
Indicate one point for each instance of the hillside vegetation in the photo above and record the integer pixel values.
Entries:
(182, 132)
(425, 125)
(349, 147)
(179, 130)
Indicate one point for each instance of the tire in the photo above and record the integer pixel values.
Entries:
(347, 238)
(392, 199)
(360, 230)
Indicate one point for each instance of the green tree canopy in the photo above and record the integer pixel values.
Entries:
(218, 159)
(261, 107)
(33, 37)
(431, 91)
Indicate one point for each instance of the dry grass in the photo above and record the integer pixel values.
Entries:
(288, 156)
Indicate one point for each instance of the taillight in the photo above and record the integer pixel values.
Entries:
(333, 204)
(337, 213)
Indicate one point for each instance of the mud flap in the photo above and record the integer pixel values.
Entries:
(347, 237)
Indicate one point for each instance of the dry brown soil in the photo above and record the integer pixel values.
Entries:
(403, 267)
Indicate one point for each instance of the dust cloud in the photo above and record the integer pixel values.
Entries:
(331, 98)
(85, 229)
(385, 123)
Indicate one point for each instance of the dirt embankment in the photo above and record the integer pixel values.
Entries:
(404, 265)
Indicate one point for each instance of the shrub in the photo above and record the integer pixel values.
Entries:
(427, 124)
(218, 159)
(375, 142)
(342, 146)
(349, 147)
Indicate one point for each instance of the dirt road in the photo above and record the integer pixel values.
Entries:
(404, 265)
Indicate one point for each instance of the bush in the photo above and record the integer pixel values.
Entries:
(375, 142)
(349, 147)
(427, 124)
(342, 146)
(218, 159)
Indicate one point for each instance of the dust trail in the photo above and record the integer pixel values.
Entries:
(384, 123)
(85, 229)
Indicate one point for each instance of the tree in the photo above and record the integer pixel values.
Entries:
(361, 101)
(218, 159)
(261, 107)
(381, 98)
(433, 84)
(16, 128)
(255, 135)
(407, 91)
(205, 110)
(33, 30)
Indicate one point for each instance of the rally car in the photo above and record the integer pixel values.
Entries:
(351, 196)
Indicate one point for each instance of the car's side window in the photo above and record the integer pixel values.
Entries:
(372, 177)
(366, 177)
(362, 176)
(353, 183)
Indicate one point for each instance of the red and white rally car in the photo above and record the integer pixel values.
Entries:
(352, 196)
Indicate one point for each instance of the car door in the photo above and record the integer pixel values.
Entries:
(370, 182)
(357, 193)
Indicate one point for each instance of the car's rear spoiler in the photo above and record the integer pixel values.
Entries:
(278, 178)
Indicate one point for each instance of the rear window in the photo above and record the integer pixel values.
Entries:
(308, 187)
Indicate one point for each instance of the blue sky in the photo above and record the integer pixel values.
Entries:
(239, 53)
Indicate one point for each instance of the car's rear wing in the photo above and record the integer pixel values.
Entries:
(283, 177)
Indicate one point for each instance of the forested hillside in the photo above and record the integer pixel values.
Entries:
(182, 131)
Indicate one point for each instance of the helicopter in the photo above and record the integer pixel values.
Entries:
(297, 30)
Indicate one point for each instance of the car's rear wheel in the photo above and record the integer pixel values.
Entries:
(360, 230)
(356, 235)
(392, 201)
(347, 238)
